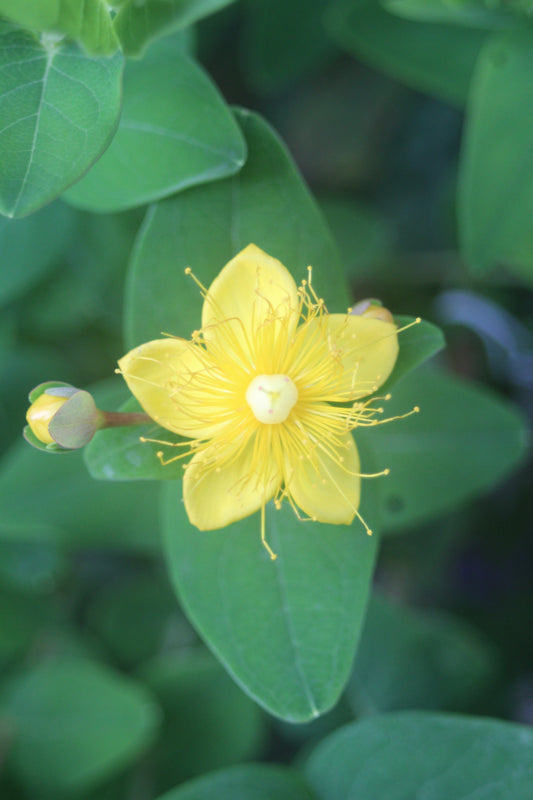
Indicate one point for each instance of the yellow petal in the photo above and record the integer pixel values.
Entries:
(164, 375)
(251, 308)
(215, 498)
(356, 355)
(326, 488)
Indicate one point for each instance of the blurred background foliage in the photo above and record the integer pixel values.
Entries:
(411, 122)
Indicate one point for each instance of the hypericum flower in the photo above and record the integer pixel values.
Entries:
(267, 393)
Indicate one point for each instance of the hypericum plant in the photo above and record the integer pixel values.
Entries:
(240, 463)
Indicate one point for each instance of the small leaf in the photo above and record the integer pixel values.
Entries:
(117, 454)
(58, 110)
(75, 723)
(410, 755)
(137, 24)
(420, 341)
(411, 52)
(464, 440)
(250, 782)
(286, 629)
(86, 21)
(496, 170)
(266, 204)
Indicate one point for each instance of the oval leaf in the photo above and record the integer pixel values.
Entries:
(464, 440)
(266, 203)
(175, 123)
(75, 723)
(286, 629)
(401, 756)
(58, 110)
(437, 59)
(496, 172)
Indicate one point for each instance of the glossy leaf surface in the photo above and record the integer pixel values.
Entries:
(58, 111)
(175, 131)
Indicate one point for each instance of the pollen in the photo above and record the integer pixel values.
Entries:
(271, 398)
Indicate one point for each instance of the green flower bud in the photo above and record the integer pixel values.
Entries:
(61, 417)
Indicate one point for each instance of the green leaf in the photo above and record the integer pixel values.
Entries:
(266, 203)
(437, 59)
(409, 659)
(104, 514)
(410, 755)
(464, 440)
(208, 720)
(418, 342)
(474, 13)
(274, 57)
(58, 110)
(86, 21)
(137, 24)
(76, 723)
(118, 454)
(250, 782)
(496, 170)
(176, 124)
(286, 629)
(31, 248)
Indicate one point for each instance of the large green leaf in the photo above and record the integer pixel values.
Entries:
(58, 110)
(400, 756)
(136, 23)
(209, 723)
(75, 723)
(286, 629)
(437, 59)
(175, 123)
(496, 173)
(464, 440)
(409, 659)
(251, 782)
(31, 247)
(87, 21)
(274, 56)
(266, 203)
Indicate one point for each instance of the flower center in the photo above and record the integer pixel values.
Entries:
(271, 397)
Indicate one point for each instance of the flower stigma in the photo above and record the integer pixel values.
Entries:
(271, 398)
(267, 393)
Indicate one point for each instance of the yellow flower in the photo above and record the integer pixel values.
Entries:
(267, 393)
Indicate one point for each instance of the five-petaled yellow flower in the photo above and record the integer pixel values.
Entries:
(267, 392)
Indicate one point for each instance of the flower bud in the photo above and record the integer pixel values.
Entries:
(61, 417)
(372, 308)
